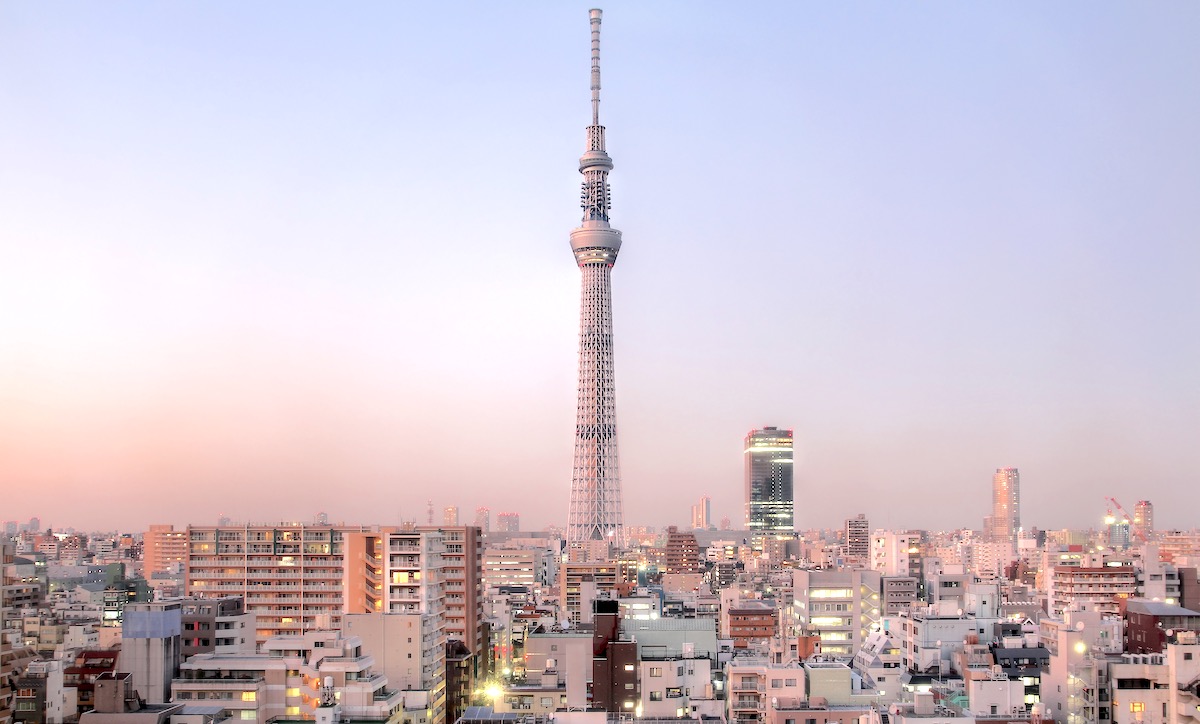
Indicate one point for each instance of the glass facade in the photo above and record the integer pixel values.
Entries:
(769, 463)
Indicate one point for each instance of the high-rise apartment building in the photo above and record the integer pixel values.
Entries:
(450, 515)
(702, 513)
(1005, 520)
(294, 577)
(463, 575)
(595, 513)
(1143, 520)
(769, 462)
(508, 522)
(163, 547)
(858, 538)
(483, 518)
(682, 553)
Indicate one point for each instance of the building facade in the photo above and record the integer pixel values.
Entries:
(1005, 520)
(769, 498)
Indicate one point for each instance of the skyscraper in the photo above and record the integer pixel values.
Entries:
(702, 513)
(595, 513)
(1005, 520)
(483, 518)
(769, 462)
(508, 522)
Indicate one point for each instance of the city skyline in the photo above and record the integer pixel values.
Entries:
(247, 252)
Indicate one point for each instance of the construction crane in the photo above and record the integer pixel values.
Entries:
(1126, 518)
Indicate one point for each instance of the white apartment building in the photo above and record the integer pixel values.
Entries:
(284, 681)
(896, 553)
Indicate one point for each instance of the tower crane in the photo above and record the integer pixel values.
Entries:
(1125, 518)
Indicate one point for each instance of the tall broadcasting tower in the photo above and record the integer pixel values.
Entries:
(596, 480)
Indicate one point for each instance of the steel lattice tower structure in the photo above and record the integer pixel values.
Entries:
(595, 480)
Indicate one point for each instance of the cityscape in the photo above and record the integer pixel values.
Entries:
(318, 482)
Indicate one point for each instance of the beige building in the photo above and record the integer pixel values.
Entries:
(294, 577)
(164, 549)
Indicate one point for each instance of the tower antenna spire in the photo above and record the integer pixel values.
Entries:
(595, 19)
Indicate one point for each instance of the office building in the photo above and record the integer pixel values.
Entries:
(595, 513)
(769, 462)
(842, 607)
(151, 647)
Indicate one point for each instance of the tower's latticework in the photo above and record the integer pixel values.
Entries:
(596, 481)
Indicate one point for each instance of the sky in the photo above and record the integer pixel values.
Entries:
(271, 259)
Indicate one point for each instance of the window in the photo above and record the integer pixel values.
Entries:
(675, 692)
(249, 696)
(629, 667)
(656, 671)
(792, 682)
(249, 714)
(776, 683)
(656, 696)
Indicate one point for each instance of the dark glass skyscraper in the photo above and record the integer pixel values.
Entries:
(769, 462)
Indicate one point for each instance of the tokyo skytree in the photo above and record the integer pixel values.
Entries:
(595, 480)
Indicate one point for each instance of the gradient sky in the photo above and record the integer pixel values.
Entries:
(268, 259)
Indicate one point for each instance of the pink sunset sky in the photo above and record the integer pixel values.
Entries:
(273, 259)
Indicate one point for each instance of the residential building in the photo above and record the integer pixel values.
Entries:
(682, 554)
(1147, 624)
(1005, 520)
(164, 549)
(284, 681)
(896, 553)
(409, 649)
(1098, 587)
(294, 577)
(217, 625)
(858, 538)
(508, 522)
